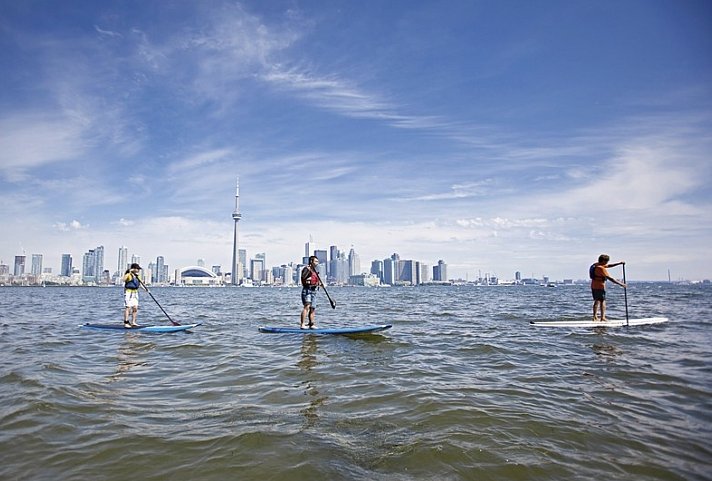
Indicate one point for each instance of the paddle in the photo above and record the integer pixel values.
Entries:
(625, 296)
(333, 304)
(154, 299)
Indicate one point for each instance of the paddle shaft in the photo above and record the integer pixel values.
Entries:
(625, 296)
(333, 304)
(154, 300)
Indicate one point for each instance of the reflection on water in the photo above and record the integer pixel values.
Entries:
(306, 363)
(131, 353)
(606, 350)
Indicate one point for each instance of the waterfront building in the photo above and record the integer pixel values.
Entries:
(322, 269)
(424, 273)
(66, 270)
(197, 276)
(123, 263)
(89, 266)
(333, 261)
(440, 271)
(406, 272)
(242, 272)
(257, 268)
(354, 263)
(377, 269)
(36, 269)
(99, 263)
(19, 269)
(161, 274)
(389, 271)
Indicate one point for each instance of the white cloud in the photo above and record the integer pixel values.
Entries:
(72, 225)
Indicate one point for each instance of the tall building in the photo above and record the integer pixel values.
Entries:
(424, 273)
(99, 264)
(19, 266)
(160, 273)
(235, 268)
(89, 266)
(242, 254)
(66, 270)
(36, 269)
(406, 271)
(389, 271)
(440, 271)
(354, 263)
(323, 264)
(377, 269)
(333, 260)
(123, 260)
(93, 266)
(308, 250)
(257, 268)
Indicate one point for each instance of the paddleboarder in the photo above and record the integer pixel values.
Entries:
(132, 282)
(598, 273)
(310, 284)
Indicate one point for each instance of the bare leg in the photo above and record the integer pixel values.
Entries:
(312, 312)
(134, 314)
(595, 310)
(603, 310)
(303, 317)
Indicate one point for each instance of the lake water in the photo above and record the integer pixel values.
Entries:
(461, 388)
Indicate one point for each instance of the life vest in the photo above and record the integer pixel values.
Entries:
(134, 283)
(310, 275)
(592, 272)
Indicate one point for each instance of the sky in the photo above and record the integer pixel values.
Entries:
(498, 136)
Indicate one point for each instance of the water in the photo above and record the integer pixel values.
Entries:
(462, 388)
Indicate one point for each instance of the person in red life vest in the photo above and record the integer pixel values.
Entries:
(310, 284)
(598, 273)
(132, 282)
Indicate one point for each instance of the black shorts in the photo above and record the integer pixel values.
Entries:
(598, 294)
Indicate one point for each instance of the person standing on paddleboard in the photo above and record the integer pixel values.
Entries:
(598, 273)
(132, 282)
(310, 284)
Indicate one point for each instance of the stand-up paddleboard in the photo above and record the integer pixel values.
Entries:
(120, 327)
(608, 323)
(343, 330)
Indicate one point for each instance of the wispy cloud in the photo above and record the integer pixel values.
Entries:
(33, 139)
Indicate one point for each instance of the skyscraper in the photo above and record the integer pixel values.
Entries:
(36, 265)
(66, 270)
(19, 265)
(160, 267)
(99, 264)
(88, 266)
(235, 269)
(440, 271)
(323, 264)
(354, 263)
(123, 260)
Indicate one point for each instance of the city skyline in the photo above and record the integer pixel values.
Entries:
(503, 136)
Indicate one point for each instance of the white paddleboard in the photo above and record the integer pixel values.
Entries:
(607, 323)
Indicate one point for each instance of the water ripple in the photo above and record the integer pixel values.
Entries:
(461, 388)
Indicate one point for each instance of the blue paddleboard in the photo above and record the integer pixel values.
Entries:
(343, 330)
(120, 327)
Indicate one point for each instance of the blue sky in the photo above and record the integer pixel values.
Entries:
(497, 136)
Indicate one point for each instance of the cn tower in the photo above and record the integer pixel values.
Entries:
(235, 271)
